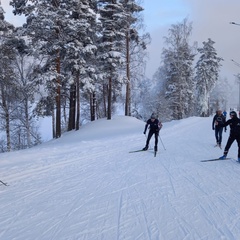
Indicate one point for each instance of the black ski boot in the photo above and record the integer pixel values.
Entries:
(145, 148)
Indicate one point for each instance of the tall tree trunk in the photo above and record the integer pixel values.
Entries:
(53, 123)
(72, 107)
(7, 118)
(105, 93)
(78, 101)
(128, 85)
(92, 105)
(27, 123)
(109, 111)
(55, 3)
(58, 99)
(64, 111)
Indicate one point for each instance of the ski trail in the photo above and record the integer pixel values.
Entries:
(97, 190)
(119, 207)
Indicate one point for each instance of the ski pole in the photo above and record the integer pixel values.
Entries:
(3, 183)
(162, 142)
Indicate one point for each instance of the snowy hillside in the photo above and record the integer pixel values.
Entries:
(87, 186)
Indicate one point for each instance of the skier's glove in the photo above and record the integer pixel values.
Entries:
(144, 132)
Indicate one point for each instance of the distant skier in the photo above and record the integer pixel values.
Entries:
(234, 123)
(218, 121)
(154, 127)
(225, 113)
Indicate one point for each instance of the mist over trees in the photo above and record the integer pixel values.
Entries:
(77, 61)
(189, 84)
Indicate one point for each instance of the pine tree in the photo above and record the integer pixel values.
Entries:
(113, 19)
(177, 60)
(6, 77)
(44, 27)
(207, 72)
(130, 8)
(80, 56)
(61, 31)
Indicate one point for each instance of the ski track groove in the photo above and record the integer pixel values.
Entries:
(14, 220)
(211, 222)
(119, 207)
(38, 192)
(142, 215)
(143, 207)
(170, 178)
(29, 170)
(58, 225)
(188, 177)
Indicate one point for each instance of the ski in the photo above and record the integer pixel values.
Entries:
(214, 159)
(155, 153)
(137, 151)
(140, 150)
(4, 183)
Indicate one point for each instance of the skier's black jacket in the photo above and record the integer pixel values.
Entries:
(220, 119)
(234, 124)
(154, 126)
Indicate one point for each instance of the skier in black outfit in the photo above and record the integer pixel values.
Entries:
(154, 128)
(219, 119)
(234, 123)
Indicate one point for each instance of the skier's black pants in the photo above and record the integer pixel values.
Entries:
(231, 139)
(218, 134)
(150, 133)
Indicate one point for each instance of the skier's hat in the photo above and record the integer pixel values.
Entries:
(233, 113)
(153, 116)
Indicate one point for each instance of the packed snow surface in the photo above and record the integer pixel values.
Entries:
(87, 186)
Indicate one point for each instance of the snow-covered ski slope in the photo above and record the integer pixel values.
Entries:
(87, 186)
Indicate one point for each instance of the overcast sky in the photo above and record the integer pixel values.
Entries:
(210, 18)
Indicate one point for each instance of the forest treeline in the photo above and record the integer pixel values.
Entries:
(81, 60)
